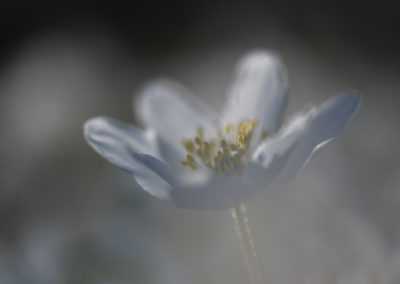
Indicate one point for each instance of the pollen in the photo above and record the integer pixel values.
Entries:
(240, 139)
(189, 146)
(229, 128)
(226, 155)
(244, 127)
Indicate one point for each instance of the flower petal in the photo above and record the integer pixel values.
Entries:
(217, 193)
(326, 123)
(273, 154)
(172, 110)
(118, 143)
(175, 113)
(159, 167)
(259, 90)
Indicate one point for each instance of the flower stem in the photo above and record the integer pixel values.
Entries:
(243, 230)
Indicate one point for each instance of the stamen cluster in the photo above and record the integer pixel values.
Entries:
(228, 154)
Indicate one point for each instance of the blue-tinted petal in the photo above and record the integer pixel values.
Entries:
(118, 143)
(259, 90)
(172, 110)
(216, 193)
(273, 154)
(326, 123)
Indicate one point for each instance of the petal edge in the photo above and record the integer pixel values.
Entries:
(116, 142)
(330, 118)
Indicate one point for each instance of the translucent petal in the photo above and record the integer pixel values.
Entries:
(119, 143)
(217, 193)
(326, 123)
(174, 113)
(259, 90)
(273, 154)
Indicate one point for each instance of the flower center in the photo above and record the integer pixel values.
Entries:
(228, 154)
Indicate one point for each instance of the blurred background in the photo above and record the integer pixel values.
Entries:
(68, 216)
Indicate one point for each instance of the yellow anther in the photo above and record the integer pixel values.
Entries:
(244, 127)
(229, 127)
(219, 155)
(198, 140)
(234, 147)
(189, 146)
(240, 139)
(264, 134)
(254, 122)
(190, 158)
(185, 163)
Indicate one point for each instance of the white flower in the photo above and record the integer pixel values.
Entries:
(203, 160)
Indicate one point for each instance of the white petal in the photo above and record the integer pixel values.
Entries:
(173, 111)
(259, 90)
(158, 167)
(217, 193)
(326, 123)
(118, 143)
(273, 154)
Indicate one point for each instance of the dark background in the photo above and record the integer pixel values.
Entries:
(149, 27)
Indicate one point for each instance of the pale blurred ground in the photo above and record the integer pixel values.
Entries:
(67, 216)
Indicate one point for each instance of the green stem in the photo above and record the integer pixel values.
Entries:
(242, 228)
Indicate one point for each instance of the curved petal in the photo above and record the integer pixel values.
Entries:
(118, 143)
(259, 90)
(173, 111)
(326, 123)
(157, 166)
(273, 154)
(217, 193)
